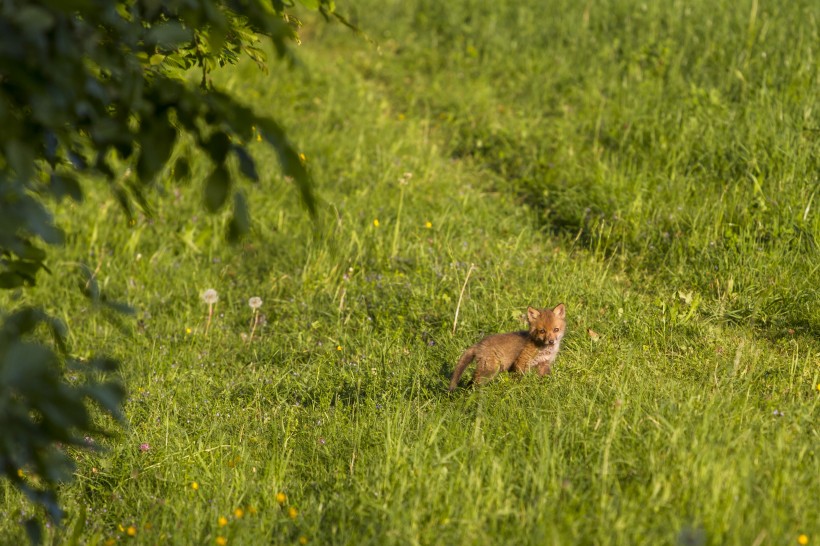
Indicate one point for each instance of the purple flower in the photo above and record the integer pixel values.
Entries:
(144, 447)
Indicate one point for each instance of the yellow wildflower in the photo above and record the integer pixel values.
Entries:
(222, 541)
(428, 224)
(281, 498)
(803, 539)
(238, 513)
(292, 512)
(303, 540)
(194, 486)
(222, 521)
(338, 347)
(188, 330)
(131, 531)
(376, 222)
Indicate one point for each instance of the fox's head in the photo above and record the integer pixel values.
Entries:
(547, 326)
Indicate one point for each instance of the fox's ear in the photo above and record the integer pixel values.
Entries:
(533, 314)
(559, 310)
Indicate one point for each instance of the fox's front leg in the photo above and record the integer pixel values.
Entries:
(545, 368)
(522, 361)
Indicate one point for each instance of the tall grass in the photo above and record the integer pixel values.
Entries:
(654, 167)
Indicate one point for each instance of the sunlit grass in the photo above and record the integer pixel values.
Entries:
(644, 164)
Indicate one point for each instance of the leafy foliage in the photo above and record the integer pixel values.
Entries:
(99, 90)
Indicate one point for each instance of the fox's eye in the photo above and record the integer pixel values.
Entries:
(555, 329)
(541, 331)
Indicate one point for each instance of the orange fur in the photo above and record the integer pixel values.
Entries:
(517, 351)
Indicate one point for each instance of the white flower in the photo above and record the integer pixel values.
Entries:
(210, 296)
(405, 178)
(255, 302)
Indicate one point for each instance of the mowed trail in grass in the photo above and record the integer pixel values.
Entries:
(654, 167)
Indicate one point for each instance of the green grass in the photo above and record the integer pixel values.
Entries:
(654, 167)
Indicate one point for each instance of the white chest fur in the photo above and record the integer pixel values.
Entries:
(545, 355)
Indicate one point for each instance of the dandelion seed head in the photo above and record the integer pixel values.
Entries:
(255, 302)
(210, 296)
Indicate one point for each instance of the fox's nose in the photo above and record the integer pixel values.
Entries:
(551, 342)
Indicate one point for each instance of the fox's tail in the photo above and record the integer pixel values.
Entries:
(463, 362)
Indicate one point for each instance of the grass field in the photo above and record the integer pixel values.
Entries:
(656, 167)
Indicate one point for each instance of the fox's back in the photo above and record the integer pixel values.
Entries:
(502, 348)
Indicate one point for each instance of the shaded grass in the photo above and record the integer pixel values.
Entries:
(592, 164)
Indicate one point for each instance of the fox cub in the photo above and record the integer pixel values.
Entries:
(517, 351)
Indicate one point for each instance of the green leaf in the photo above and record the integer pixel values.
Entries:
(217, 189)
(10, 279)
(26, 365)
(289, 160)
(182, 169)
(65, 185)
(217, 147)
(104, 364)
(246, 163)
(240, 222)
(21, 158)
(168, 35)
(34, 530)
(34, 19)
(38, 220)
(157, 138)
(109, 396)
(118, 306)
